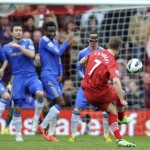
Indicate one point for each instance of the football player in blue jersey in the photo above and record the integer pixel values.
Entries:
(5, 97)
(50, 54)
(81, 102)
(20, 55)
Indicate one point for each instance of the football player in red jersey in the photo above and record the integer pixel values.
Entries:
(102, 67)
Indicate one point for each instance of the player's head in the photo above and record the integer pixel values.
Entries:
(115, 45)
(16, 31)
(93, 40)
(50, 29)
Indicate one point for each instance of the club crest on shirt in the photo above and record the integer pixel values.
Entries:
(117, 72)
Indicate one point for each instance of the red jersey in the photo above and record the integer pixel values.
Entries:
(101, 68)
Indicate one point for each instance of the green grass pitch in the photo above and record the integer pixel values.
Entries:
(7, 142)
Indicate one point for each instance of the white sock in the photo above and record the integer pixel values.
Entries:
(52, 127)
(74, 122)
(38, 109)
(52, 115)
(105, 126)
(3, 103)
(17, 121)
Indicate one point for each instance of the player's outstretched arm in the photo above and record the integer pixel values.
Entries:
(55, 49)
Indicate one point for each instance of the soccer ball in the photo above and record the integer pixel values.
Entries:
(134, 65)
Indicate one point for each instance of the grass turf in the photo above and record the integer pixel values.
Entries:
(7, 142)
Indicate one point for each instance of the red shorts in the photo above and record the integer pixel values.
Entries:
(101, 98)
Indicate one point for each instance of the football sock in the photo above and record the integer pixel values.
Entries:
(105, 125)
(17, 121)
(74, 121)
(38, 109)
(9, 116)
(3, 103)
(120, 110)
(52, 128)
(113, 124)
(52, 114)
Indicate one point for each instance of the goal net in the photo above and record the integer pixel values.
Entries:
(130, 23)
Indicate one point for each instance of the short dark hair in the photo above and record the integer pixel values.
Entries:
(50, 23)
(15, 25)
(115, 43)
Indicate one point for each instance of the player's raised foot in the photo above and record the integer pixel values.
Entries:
(124, 143)
(42, 131)
(72, 139)
(126, 120)
(19, 137)
(34, 125)
(6, 131)
(107, 139)
(51, 138)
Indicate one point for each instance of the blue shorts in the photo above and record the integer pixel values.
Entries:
(80, 99)
(51, 86)
(21, 83)
(2, 88)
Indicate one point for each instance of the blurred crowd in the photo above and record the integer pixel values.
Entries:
(132, 25)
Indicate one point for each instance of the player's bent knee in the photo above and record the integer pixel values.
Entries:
(105, 115)
(39, 94)
(62, 103)
(17, 109)
(113, 111)
(77, 111)
(6, 95)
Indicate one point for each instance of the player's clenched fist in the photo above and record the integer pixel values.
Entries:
(69, 37)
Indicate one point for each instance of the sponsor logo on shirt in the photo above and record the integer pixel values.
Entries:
(16, 54)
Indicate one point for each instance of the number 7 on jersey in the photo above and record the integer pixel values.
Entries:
(97, 63)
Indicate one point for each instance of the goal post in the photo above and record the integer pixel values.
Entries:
(78, 2)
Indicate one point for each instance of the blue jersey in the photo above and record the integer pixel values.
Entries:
(50, 56)
(19, 62)
(2, 55)
(2, 59)
(82, 54)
